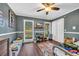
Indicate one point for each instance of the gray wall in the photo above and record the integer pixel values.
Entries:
(72, 19)
(20, 22)
(6, 29)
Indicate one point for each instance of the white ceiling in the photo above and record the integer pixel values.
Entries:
(29, 9)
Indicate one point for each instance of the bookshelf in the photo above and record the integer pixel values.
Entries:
(41, 29)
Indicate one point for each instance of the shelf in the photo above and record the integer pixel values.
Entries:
(39, 31)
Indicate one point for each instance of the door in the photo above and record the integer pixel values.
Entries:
(58, 30)
(54, 30)
(28, 30)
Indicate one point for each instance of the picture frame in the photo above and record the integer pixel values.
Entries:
(11, 20)
(39, 25)
(1, 19)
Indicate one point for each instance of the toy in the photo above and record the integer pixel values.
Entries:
(68, 48)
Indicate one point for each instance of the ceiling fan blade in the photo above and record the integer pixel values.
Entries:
(40, 9)
(46, 13)
(55, 8)
(48, 4)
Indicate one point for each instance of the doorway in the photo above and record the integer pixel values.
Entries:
(28, 31)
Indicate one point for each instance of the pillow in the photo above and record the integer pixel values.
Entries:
(68, 40)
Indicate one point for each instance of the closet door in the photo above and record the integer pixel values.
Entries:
(28, 30)
(54, 30)
(58, 30)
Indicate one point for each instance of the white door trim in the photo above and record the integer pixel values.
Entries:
(29, 40)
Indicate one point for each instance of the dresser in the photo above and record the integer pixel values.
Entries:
(4, 46)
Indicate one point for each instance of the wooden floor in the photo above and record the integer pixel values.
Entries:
(31, 49)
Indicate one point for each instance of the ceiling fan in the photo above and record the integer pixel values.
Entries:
(48, 7)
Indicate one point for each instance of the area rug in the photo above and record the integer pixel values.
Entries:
(46, 48)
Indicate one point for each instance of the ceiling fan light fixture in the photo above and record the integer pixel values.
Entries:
(48, 9)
